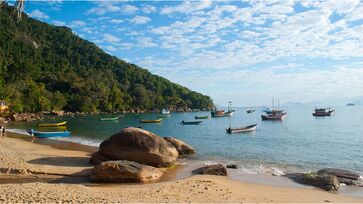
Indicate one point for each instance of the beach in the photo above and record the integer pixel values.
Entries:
(57, 171)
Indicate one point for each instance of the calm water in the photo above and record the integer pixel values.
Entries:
(300, 143)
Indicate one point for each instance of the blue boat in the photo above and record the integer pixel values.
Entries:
(48, 134)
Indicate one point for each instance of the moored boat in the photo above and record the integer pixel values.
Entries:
(250, 110)
(151, 121)
(222, 113)
(49, 134)
(52, 124)
(318, 112)
(274, 115)
(248, 128)
(190, 122)
(165, 111)
(110, 119)
(201, 117)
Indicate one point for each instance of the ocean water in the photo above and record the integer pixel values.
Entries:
(299, 143)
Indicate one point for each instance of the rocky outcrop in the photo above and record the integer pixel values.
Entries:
(20, 117)
(124, 171)
(216, 169)
(324, 181)
(138, 145)
(344, 176)
(181, 147)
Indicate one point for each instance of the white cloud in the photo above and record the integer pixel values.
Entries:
(148, 8)
(38, 14)
(116, 21)
(110, 38)
(187, 7)
(77, 23)
(140, 20)
(146, 42)
(129, 9)
(58, 23)
(104, 7)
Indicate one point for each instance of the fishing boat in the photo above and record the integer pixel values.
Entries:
(49, 134)
(274, 115)
(222, 113)
(52, 124)
(201, 117)
(248, 128)
(318, 112)
(190, 122)
(165, 111)
(151, 121)
(110, 119)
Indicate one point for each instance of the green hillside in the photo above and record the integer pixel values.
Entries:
(45, 67)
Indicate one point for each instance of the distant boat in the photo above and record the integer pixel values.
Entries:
(165, 111)
(201, 117)
(350, 104)
(164, 116)
(52, 124)
(190, 122)
(250, 110)
(222, 113)
(320, 112)
(110, 119)
(242, 129)
(48, 134)
(151, 121)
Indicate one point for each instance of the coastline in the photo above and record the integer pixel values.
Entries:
(47, 170)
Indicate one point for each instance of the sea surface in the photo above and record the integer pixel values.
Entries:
(299, 143)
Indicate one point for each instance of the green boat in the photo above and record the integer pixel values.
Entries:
(201, 117)
(110, 119)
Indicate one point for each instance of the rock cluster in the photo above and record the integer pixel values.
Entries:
(18, 117)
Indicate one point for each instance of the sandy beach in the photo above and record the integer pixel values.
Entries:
(52, 171)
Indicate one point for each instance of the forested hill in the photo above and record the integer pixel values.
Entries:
(45, 67)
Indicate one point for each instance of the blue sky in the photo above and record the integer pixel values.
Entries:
(241, 51)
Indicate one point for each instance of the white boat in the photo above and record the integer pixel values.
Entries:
(242, 129)
(165, 111)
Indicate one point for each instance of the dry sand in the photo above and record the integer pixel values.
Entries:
(32, 172)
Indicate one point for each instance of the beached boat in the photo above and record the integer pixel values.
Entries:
(201, 117)
(110, 119)
(165, 111)
(323, 112)
(190, 122)
(274, 115)
(248, 128)
(151, 121)
(52, 124)
(49, 134)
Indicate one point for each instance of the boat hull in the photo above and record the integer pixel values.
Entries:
(52, 124)
(49, 134)
(201, 117)
(267, 117)
(191, 123)
(242, 130)
(323, 114)
(151, 121)
(108, 119)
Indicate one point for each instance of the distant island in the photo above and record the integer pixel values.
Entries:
(45, 68)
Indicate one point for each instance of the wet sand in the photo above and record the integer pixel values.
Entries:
(56, 171)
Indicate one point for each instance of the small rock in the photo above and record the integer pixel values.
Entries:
(232, 166)
(216, 169)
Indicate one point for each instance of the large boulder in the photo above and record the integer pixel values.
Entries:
(181, 147)
(344, 176)
(324, 181)
(215, 169)
(124, 171)
(138, 145)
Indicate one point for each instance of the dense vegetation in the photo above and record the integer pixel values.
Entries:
(44, 67)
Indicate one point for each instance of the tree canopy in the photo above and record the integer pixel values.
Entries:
(45, 67)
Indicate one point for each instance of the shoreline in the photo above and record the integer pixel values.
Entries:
(62, 164)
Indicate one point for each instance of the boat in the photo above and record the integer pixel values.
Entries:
(250, 110)
(350, 104)
(318, 112)
(151, 121)
(274, 115)
(165, 111)
(110, 119)
(222, 113)
(52, 124)
(201, 117)
(190, 122)
(49, 134)
(248, 128)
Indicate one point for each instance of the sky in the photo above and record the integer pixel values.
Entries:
(241, 51)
